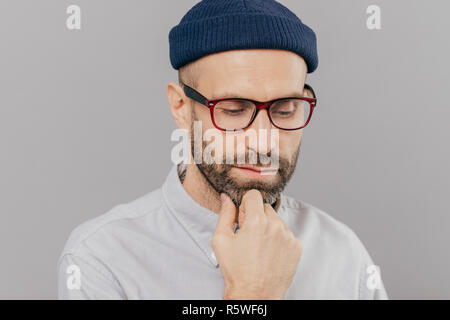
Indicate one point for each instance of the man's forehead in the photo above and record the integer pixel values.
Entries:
(251, 58)
(218, 94)
(232, 74)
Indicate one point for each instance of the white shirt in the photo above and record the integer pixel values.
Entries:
(158, 247)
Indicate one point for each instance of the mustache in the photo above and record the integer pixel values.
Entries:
(253, 157)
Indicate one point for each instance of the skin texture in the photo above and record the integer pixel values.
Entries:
(259, 261)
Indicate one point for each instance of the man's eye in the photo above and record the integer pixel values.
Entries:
(284, 113)
(233, 111)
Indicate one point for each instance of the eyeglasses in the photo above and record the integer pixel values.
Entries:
(235, 114)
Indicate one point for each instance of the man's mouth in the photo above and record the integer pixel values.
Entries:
(257, 171)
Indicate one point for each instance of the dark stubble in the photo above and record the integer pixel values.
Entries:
(219, 178)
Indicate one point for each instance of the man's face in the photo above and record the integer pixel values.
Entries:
(260, 75)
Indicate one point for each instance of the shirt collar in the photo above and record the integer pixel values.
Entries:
(198, 221)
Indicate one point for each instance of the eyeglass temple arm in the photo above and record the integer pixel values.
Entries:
(191, 93)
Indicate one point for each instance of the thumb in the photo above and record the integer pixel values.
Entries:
(227, 215)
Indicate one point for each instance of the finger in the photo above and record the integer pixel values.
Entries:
(273, 215)
(270, 212)
(252, 209)
(241, 218)
(227, 216)
(252, 204)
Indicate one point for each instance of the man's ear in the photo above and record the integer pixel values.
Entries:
(309, 91)
(179, 105)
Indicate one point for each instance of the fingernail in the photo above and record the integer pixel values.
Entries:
(223, 197)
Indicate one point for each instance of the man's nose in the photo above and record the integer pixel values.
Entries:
(262, 127)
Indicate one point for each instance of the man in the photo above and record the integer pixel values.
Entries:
(220, 228)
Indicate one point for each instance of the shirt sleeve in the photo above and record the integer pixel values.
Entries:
(82, 278)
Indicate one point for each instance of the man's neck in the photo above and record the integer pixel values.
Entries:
(199, 189)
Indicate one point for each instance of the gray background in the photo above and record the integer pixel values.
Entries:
(85, 125)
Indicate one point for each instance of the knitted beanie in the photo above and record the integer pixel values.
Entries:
(213, 26)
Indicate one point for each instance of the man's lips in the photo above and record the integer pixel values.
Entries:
(258, 170)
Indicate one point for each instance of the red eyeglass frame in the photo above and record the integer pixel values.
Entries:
(198, 97)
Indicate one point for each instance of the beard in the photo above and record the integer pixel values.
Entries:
(219, 178)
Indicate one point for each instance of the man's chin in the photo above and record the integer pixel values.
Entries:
(244, 184)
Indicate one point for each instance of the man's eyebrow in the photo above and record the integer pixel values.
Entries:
(227, 95)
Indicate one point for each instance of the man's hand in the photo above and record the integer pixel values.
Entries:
(259, 261)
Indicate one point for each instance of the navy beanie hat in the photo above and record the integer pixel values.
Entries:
(220, 25)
